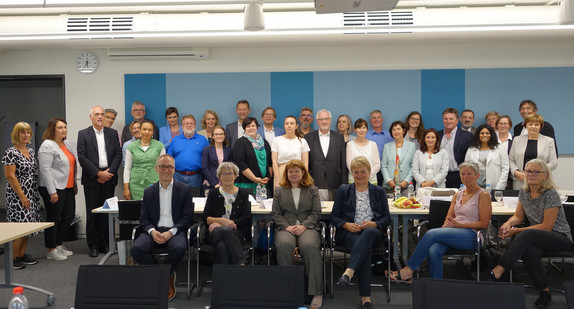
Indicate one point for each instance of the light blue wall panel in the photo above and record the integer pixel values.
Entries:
(441, 89)
(194, 93)
(357, 93)
(502, 90)
(148, 89)
(290, 91)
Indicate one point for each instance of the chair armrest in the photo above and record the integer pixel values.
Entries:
(323, 232)
(134, 231)
(419, 227)
(332, 231)
(191, 230)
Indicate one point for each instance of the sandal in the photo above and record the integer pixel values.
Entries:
(316, 305)
(396, 277)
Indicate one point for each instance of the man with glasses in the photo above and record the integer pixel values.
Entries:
(327, 155)
(138, 112)
(305, 121)
(268, 131)
(110, 115)
(186, 149)
(234, 130)
(166, 215)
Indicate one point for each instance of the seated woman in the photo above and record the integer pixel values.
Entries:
(539, 202)
(361, 214)
(296, 212)
(228, 214)
(469, 210)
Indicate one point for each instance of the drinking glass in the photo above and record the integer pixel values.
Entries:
(498, 196)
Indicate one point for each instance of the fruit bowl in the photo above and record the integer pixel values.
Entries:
(405, 202)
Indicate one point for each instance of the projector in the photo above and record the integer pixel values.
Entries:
(344, 6)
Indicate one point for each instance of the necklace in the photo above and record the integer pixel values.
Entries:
(144, 144)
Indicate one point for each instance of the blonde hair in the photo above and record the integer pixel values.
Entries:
(360, 161)
(20, 127)
(547, 183)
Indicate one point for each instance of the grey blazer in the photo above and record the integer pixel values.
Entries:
(546, 152)
(231, 133)
(54, 165)
(285, 214)
(440, 167)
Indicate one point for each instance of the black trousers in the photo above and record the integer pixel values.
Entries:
(61, 213)
(97, 224)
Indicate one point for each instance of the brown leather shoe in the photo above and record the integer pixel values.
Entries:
(171, 293)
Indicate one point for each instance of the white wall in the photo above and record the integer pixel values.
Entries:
(106, 86)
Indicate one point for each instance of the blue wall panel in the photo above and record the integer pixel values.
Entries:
(441, 89)
(150, 89)
(289, 92)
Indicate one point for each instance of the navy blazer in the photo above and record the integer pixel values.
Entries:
(182, 207)
(240, 211)
(345, 205)
(210, 163)
(461, 143)
(88, 158)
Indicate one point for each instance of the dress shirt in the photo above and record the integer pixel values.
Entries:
(102, 156)
(240, 130)
(505, 144)
(269, 135)
(380, 138)
(165, 216)
(447, 143)
(324, 140)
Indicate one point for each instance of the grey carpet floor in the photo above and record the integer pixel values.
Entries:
(60, 278)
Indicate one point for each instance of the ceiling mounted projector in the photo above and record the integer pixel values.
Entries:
(345, 6)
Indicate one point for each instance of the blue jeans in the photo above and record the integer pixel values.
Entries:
(192, 180)
(436, 243)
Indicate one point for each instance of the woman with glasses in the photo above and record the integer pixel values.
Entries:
(532, 146)
(213, 155)
(227, 214)
(539, 203)
(414, 128)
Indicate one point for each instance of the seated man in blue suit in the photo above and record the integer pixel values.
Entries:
(166, 215)
(456, 142)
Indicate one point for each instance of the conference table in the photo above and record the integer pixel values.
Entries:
(10, 231)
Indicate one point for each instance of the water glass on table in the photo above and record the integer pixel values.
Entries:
(498, 195)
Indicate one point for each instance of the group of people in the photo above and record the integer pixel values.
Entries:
(161, 165)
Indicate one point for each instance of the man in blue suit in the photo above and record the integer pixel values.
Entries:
(166, 215)
(456, 143)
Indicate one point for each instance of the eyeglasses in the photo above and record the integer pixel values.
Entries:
(324, 119)
(226, 174)
(306, 116)
(268, 115)
(535, 173)
(138, 110)
(166, 167)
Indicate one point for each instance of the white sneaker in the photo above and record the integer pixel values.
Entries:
(64, 251)
(55, 255)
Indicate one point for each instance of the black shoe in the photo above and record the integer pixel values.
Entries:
(543, 300)
(344, 280)
(1, 251)
(17, 263)
(93, 252)
(104, 249)
(28, 260)
(367, 305)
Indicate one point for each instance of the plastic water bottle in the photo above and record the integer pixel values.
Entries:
(462, 187)
(488, 189)
(263, 193)
(411, 190)
(258, 193)
(397, 192)
(18, 301)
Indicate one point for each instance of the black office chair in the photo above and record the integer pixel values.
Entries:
(569, 289)
(128, 218)
(454, 294)
(121, 286)
(569, 198)
(382, 250)
(438, 211)
(208, 250)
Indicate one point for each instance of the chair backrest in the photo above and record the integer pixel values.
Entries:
(437, 213)
(196, 192)
(569, 290)
(569, 212)
(257, 287)
(121, 286)
(445, 294)
(569, 198)
(128, 217)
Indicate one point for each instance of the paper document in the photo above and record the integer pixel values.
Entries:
(111, 203)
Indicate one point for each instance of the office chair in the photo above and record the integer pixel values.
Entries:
(569, 289)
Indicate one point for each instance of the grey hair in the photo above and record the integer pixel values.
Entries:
(94, 107)
(547, 183)
(471, 164)
(229, 166)
(323, 111)
(165, 155)
(111, 110)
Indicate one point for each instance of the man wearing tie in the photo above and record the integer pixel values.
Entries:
(100, 156)
(327, 163)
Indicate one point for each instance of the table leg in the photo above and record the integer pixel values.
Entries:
(395, 219)
(405, 250)
(111, 238)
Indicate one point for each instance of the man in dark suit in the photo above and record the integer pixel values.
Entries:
(138, 112)
(456, 143)
(327, 155)
(100, 155)
(234, 130)
(467, 120)
(527, 108)
(166, 215)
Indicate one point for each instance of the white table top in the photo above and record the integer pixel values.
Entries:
(13, 230)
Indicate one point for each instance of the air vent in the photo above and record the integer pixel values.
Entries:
(378, 19)
(100, 24)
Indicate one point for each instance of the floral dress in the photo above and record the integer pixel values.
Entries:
(26, 169)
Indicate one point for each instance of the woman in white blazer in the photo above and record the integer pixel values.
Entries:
(406, 152)
(492, 159)
(430, 164)
(58, 186)
(532, 146)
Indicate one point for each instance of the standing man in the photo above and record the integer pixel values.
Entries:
(138, 112)
(100, 156)
(527, 108)
(467, 120)
(234, 130)
(267, 130)
(456, 143)
(327, 155)
(305, 121)
(166, 215)
(186, 149)
(110, 115)
(379, 136)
